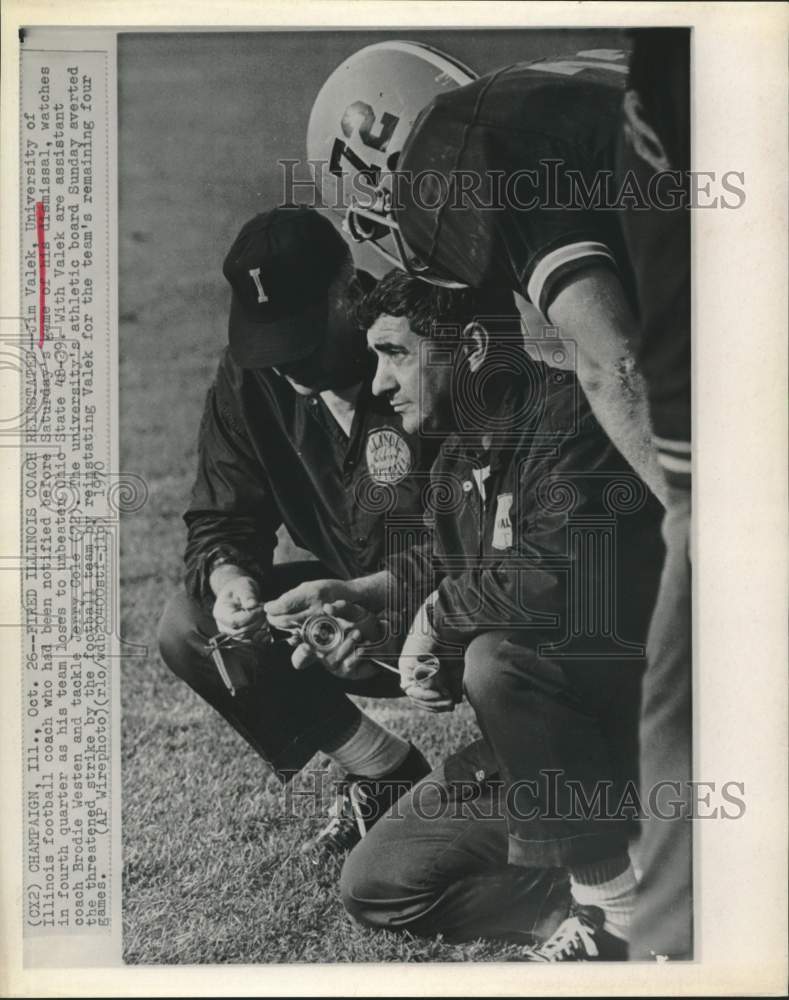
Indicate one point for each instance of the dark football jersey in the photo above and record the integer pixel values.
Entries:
(510, 180)
(659, 239)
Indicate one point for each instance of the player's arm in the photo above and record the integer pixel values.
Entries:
(590, 308)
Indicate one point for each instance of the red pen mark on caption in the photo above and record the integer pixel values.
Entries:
(42, 269)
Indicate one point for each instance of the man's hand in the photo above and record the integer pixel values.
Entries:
(295, 606)
(348, 659)
(432, 695)
(237, 604)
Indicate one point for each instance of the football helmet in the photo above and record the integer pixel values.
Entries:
(359, 123)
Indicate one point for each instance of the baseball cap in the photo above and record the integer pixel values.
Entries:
(280, 268)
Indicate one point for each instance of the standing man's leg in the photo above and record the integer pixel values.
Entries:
(663, 922)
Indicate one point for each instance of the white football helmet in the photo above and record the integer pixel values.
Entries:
(358, 126)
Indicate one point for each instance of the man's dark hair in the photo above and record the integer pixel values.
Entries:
(433, 311)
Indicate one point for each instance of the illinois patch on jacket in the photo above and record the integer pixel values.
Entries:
(502, 523)
(388, 455)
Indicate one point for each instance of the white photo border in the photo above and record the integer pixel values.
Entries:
(740, 505)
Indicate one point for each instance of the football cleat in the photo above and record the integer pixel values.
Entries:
(580, 938)
(359, 123)
(361, 802)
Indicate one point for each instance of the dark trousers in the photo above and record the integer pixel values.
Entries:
(663, 920)
(564, 737)
(437, 864)
(481, 847)
(286, 715)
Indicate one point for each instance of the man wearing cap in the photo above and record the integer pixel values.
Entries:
(292, 435)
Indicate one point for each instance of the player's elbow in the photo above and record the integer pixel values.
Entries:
(591, 309)
(599, 377)
(591, 374)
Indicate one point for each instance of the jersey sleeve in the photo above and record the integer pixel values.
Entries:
(549, 270)
(504, 180)
(551, 225)
(232, 516)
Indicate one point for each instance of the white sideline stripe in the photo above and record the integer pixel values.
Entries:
(671, 445)
(558, 258)
(674, 464)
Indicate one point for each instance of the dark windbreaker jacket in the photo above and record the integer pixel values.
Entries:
(544, 528)
(267, 457)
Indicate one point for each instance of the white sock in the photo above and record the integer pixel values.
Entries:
(615, 896)
(370, 750)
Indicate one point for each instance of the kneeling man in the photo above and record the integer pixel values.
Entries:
(291, 435)
(550, 547)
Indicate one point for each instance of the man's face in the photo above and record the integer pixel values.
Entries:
(419, 391)
(339, 362)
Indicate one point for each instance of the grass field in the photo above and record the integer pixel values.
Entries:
(208, 872)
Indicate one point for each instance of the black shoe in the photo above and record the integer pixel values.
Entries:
(580, 938)
(362, 801)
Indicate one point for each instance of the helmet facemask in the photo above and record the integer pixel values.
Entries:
(378, 224)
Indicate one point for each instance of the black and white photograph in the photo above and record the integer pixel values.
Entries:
(413, 345)
(384, 605)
